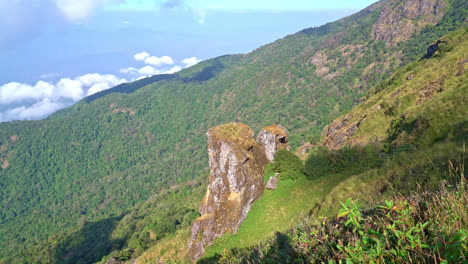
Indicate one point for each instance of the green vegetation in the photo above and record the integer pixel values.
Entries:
(288, 165)
(423, 228)
(79, 185)
(322, 161)
(417, 107)
(410, 155)
(277, 210)
(122, 236)
(314, 139)
(398, 175)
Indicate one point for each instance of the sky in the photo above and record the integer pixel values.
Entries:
(55, 52)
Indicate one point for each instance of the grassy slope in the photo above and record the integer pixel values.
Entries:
(433, 144)
(401, 172)
(427, 227)
(280, 209)
(443, 77)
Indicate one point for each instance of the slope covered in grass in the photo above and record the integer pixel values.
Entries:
(422, 103)
(427, 227)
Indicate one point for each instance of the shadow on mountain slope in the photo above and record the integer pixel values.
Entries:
(281, 251)
(131, 87)
(215, 67)
(89, 244)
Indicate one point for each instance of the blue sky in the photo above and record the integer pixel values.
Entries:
(257, 5)
(55, 52)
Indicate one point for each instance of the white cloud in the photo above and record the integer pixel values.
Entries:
(24, 101)
(94, 78)
(76, 10)
(157, 65)
(148, 71)
(16, 92)
(98, 87)
(190, 61)
(141, 56)
(20, 101)
(38, 110)
(159, 61)
(69, 89)
(174, 69)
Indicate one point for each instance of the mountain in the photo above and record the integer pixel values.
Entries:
(395, 163)
(134, 157)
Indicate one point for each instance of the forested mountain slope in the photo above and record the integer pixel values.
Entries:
(99, 158)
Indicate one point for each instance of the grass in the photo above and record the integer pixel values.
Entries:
(173, 249)
(303, 202)
(437, 93)
(278, 210)
(399, 174)
(424, 227)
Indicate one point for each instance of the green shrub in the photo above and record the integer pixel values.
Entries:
(317, 164)
(288, 165)
(323, 161)
(355, 157)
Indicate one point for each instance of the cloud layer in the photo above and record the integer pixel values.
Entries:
(19, 101)
(23, 101)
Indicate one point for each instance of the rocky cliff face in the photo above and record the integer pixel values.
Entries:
(399, 20)
(237, 164)
(273, 138)
(339, 132)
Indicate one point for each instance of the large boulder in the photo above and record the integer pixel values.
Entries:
(273, 138)
(237, 164)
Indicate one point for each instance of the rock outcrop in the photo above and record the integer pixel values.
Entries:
(399, 23)
(237, 166)
(273, 138)
(273, 182)
(339, 132)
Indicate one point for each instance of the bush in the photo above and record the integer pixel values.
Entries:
(288, 165)
(323, 161)
(317, 164)
(347, 157)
